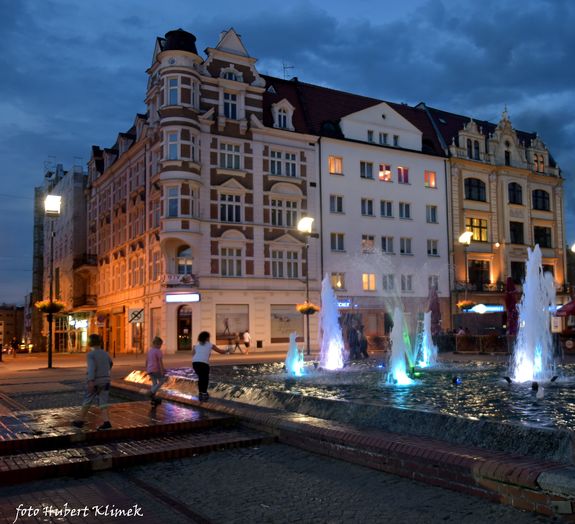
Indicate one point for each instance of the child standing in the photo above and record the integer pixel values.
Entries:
(201, 362)
(155, 369)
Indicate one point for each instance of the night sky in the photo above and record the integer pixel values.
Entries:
(73, 74)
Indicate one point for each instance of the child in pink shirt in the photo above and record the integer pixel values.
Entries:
(155, 369)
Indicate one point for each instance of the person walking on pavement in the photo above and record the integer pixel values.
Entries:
(201, 362)
(237, 344)
(353, 343)
(155, 369)
(362, 342)
(99, 365)
(247, 339)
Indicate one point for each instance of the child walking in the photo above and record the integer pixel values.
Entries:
(201, 362)
(155, 369)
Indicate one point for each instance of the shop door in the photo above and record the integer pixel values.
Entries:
(185, 328)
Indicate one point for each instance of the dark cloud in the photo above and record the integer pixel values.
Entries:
(74, 72)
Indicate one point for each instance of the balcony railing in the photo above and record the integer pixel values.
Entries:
(484, 287)
(176, 280)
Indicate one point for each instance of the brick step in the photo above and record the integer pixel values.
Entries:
(52, 428)
(84, 459)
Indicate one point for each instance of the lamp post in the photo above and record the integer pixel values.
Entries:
(465, 239)
(52, 205)
(304, 226)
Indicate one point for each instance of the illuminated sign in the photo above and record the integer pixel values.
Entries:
(486, 308)
(79, 324)
(344, 303)
(183, 297)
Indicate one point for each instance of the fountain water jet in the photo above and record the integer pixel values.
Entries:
(426, 349)
(294, 358)
(400, 351)
(533, 352)
(332, 347)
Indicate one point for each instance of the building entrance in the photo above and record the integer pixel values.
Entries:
(185, 342)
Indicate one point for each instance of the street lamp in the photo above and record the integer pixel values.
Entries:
(465, 239)
(52, 205)
(304, 226)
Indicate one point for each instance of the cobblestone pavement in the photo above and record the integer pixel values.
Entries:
(269, 484)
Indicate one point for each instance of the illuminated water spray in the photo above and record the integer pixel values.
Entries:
(533, 353)
(294, 358)
(400, 351)
(426, 350)
(332, 348)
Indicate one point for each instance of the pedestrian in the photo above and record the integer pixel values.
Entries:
(353, 343)
(201, 362)
(362, 343)
(155, 369)
(237, 342)
(99, 365)
(247, 340)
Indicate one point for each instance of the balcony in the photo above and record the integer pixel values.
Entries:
(483, 287)
(85, 300)
(176, 280)
(85, 260)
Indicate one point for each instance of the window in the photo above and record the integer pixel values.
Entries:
(231, 262)
(290, 164)
(276, 163)
(383, 139)
(548, 268)
(385, 172)
(367, 207)
(478, 226)
(396, 140)
(366, 170)
(230, 75)
(541, 200)
(369, 135)
(180, 202)
(431, 214)
(478, 271)
(172, 91)
(406, 283)
(337, 243)
(387, 245)
(173, 202)
(516, 232)
(433, 282)
(432, 250)
(469, 149)
(335, 204)
(184, 261)
(231, 106)
(404, 210)
(230, 208)
(541, 164)
(368, 281)
(338, 281)
(542, 236)
(283, 163)
(282, 118)
(536, 162)
(367, 243)
(386, 208)
(476, 150)
(388, 282)
(285, 264)
(507, 158)
(230, 156)
(173, 146)
(429, 179)
(515, 193)
(403, 175)
(335, 165)
(405, 246)
(518, 272)
(474, 189)
(283, 212)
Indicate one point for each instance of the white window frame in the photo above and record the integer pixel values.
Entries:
(337, 242)
(337, 278)
(231, 105)
(333, 163)
(230, 156)
(367, 243)
(285, 263)
(433, 282)
(405, 210)
(367, 207)
(284, 212)
(336, 204)
(430, 214)
(402, 175)
(430, 179)
(233, 203)
(405, 246)
(366, 170)
(388, 282)
(432, 247)
(383, 139)
(387, 206)
(406, 283)
(368, 282)
(385, 173)
(387, 245)
(231, 261)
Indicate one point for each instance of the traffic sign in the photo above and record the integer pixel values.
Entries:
(135, 315)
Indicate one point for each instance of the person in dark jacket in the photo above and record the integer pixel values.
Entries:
(353, 343)
(362, 343)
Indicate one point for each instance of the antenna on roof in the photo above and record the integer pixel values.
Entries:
(286, 69)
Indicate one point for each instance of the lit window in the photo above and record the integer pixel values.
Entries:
(405, 246)
(366, 170)
(432, 250)
(335, 204)
(403, 175)
(387, 245)
(386, 208)
(404, 210)
(231, 106)
(407, 283)
(230, 157)
(431, 214)
(367, 243)
(367, 207)
(368, 281)
(337, 241)
(385, 172)
(388, 282)
(335, 165)
(338, 281)
(429, 179)
(478, 226)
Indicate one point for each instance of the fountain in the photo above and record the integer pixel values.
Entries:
(294, 359)
(426, 349)
(533, 352)
(332, 347)
(400, 351)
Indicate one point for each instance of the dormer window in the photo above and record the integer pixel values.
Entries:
(469, 149)
(507, 158)
(229, 75)
(282, 113)
(231, 106)
(282, 118)
(476, 150)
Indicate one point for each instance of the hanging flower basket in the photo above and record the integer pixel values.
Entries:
(307, 308)
(45, 306)
(465, 305)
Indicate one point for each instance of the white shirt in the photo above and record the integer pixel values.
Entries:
(247, 337)
(202, 352)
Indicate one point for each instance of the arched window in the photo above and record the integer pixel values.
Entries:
(541, 200)
(507, 158)
(515, 193)
(474, 189)
(541, 164)
(476, 150)
(469, 149)
(536, 162)
(184, 261)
